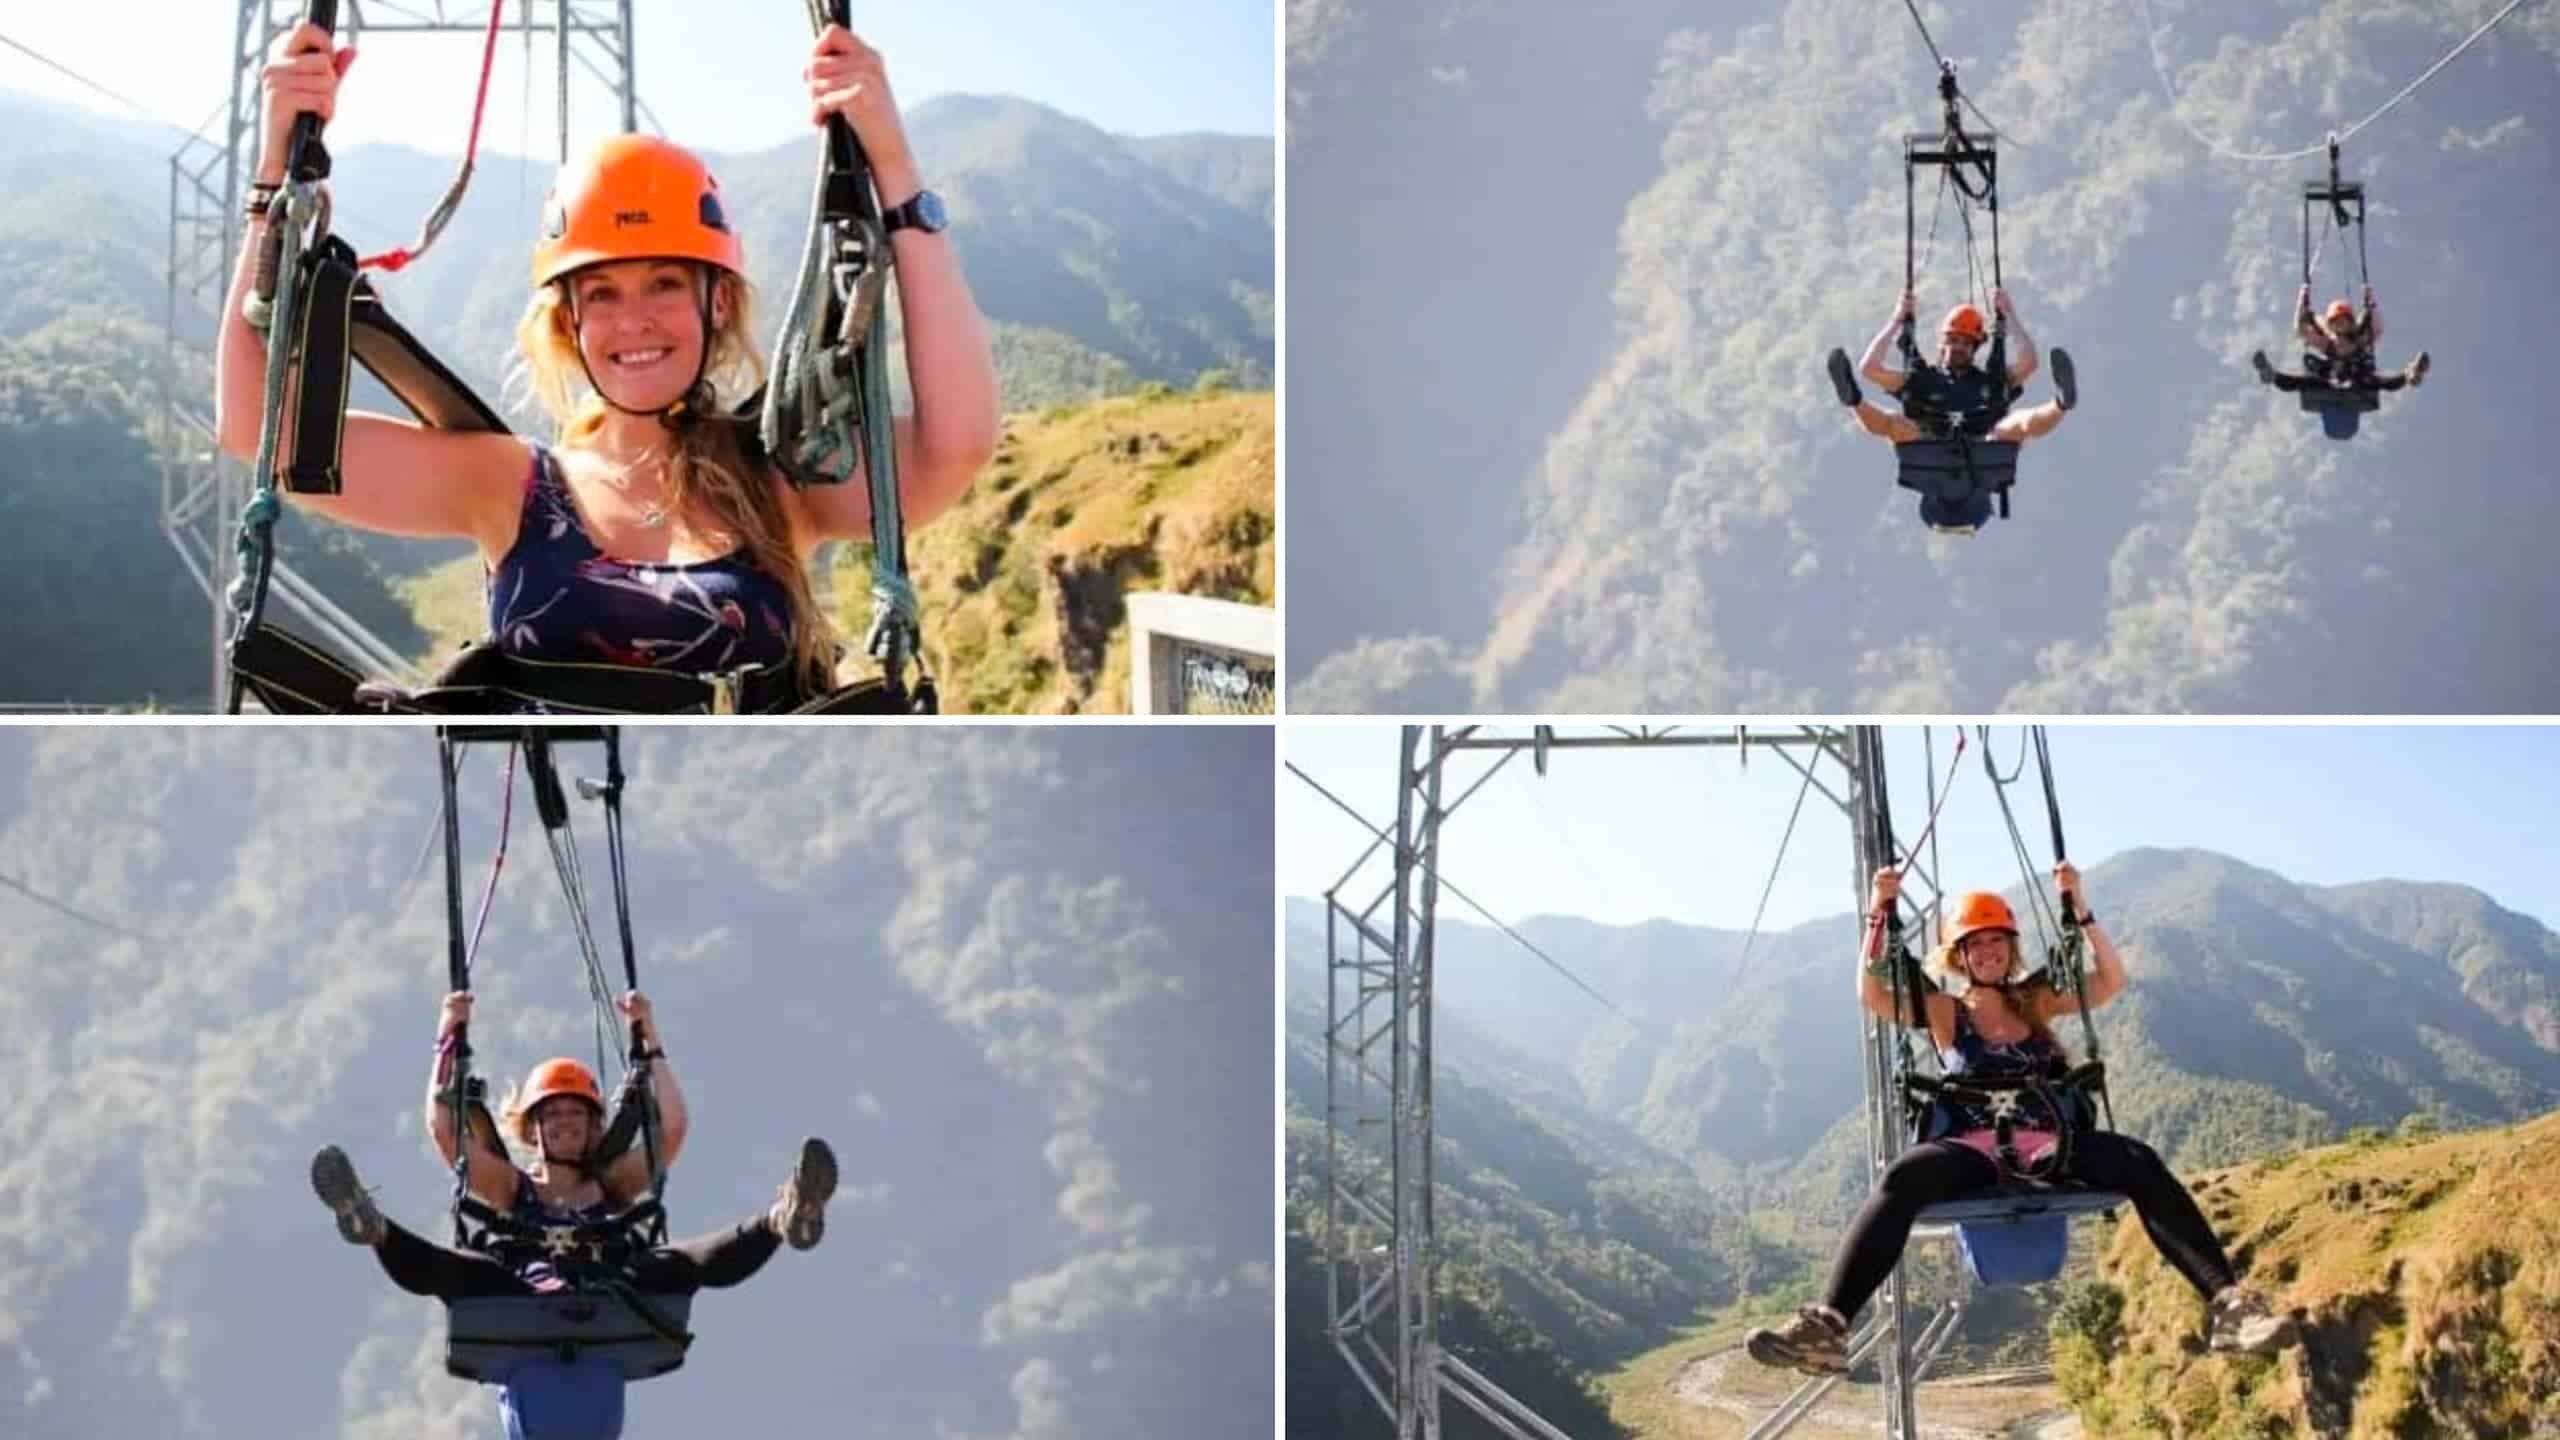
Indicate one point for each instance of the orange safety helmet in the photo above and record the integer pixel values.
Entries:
(634, 197)
(2340, 312)
(1976, 912)
(554, 1078)
(1966, 321)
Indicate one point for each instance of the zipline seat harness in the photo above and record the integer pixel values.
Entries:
(602, 1313)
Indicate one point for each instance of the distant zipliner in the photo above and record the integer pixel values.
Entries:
(1956, 440)
(2339, 380)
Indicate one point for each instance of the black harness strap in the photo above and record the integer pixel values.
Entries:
(2063, 1101)
(293, 676)
(320, 354)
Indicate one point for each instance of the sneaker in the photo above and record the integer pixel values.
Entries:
(1815, 1342)
(2244, 1324)
(800, 1212)
(333, 1179)
(2266, 372)
(2066, 380)
(2418, 369)
(1841, 380)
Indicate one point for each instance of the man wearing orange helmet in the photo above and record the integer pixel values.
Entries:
(1955, 392)
(557, 1117)
(1988, 1018)
(651, 534)
(2340, 349)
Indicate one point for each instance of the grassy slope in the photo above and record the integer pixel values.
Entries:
(2425, 1273)
(2427, 1276)
(1021, 581)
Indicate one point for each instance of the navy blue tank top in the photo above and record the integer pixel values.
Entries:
(531, 1209)
(1973, 1055)
(558, 597)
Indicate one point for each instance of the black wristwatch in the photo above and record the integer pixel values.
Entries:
(922, 211)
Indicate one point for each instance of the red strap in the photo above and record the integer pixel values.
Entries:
(398, 257)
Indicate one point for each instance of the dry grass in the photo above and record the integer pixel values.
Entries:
(2426, 1275)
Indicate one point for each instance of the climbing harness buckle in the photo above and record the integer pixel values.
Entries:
(725, 685)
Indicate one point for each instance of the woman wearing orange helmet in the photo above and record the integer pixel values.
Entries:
(649, 534)
(2339, 349)
(1986, 1018)
(556, 1117)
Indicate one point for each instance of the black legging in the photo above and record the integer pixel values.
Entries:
(2320, 375)
(1939, 1170)
(716, 1261)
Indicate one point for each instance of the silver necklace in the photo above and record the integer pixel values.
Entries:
(653, 514)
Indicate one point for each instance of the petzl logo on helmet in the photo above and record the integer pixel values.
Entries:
(622, 218)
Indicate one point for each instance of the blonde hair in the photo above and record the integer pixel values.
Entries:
(709, 464)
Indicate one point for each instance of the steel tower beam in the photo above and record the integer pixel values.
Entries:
(1382, 1243)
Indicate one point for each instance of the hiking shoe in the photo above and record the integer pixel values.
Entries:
(2244, 1324)
(2066, 380)
(2266, 372)
(1842, 380)
(800, 1213)
(333, 1179)
(2418, 369)
(1815, 1342)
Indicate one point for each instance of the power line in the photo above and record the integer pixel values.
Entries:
(58, 907)
(1445, 883)
(2151, 39)
(67, 72)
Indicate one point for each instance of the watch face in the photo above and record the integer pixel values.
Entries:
(929, 212)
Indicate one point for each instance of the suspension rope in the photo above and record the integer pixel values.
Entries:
(497, 862)
(1772, 883)
(1904, 867)
(563, 842)
(2046, 923)
(2151, 34)
(1939, 59)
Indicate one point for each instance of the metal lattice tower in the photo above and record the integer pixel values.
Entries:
(1381, 1239)
(201, 491)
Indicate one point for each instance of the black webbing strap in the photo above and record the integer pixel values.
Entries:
(292, 676)
(1997, 1095)
(320, 361)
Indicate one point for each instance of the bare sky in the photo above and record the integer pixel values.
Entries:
(718, 77)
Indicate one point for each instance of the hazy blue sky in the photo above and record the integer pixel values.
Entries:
(1688, 835)
(722, 77)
